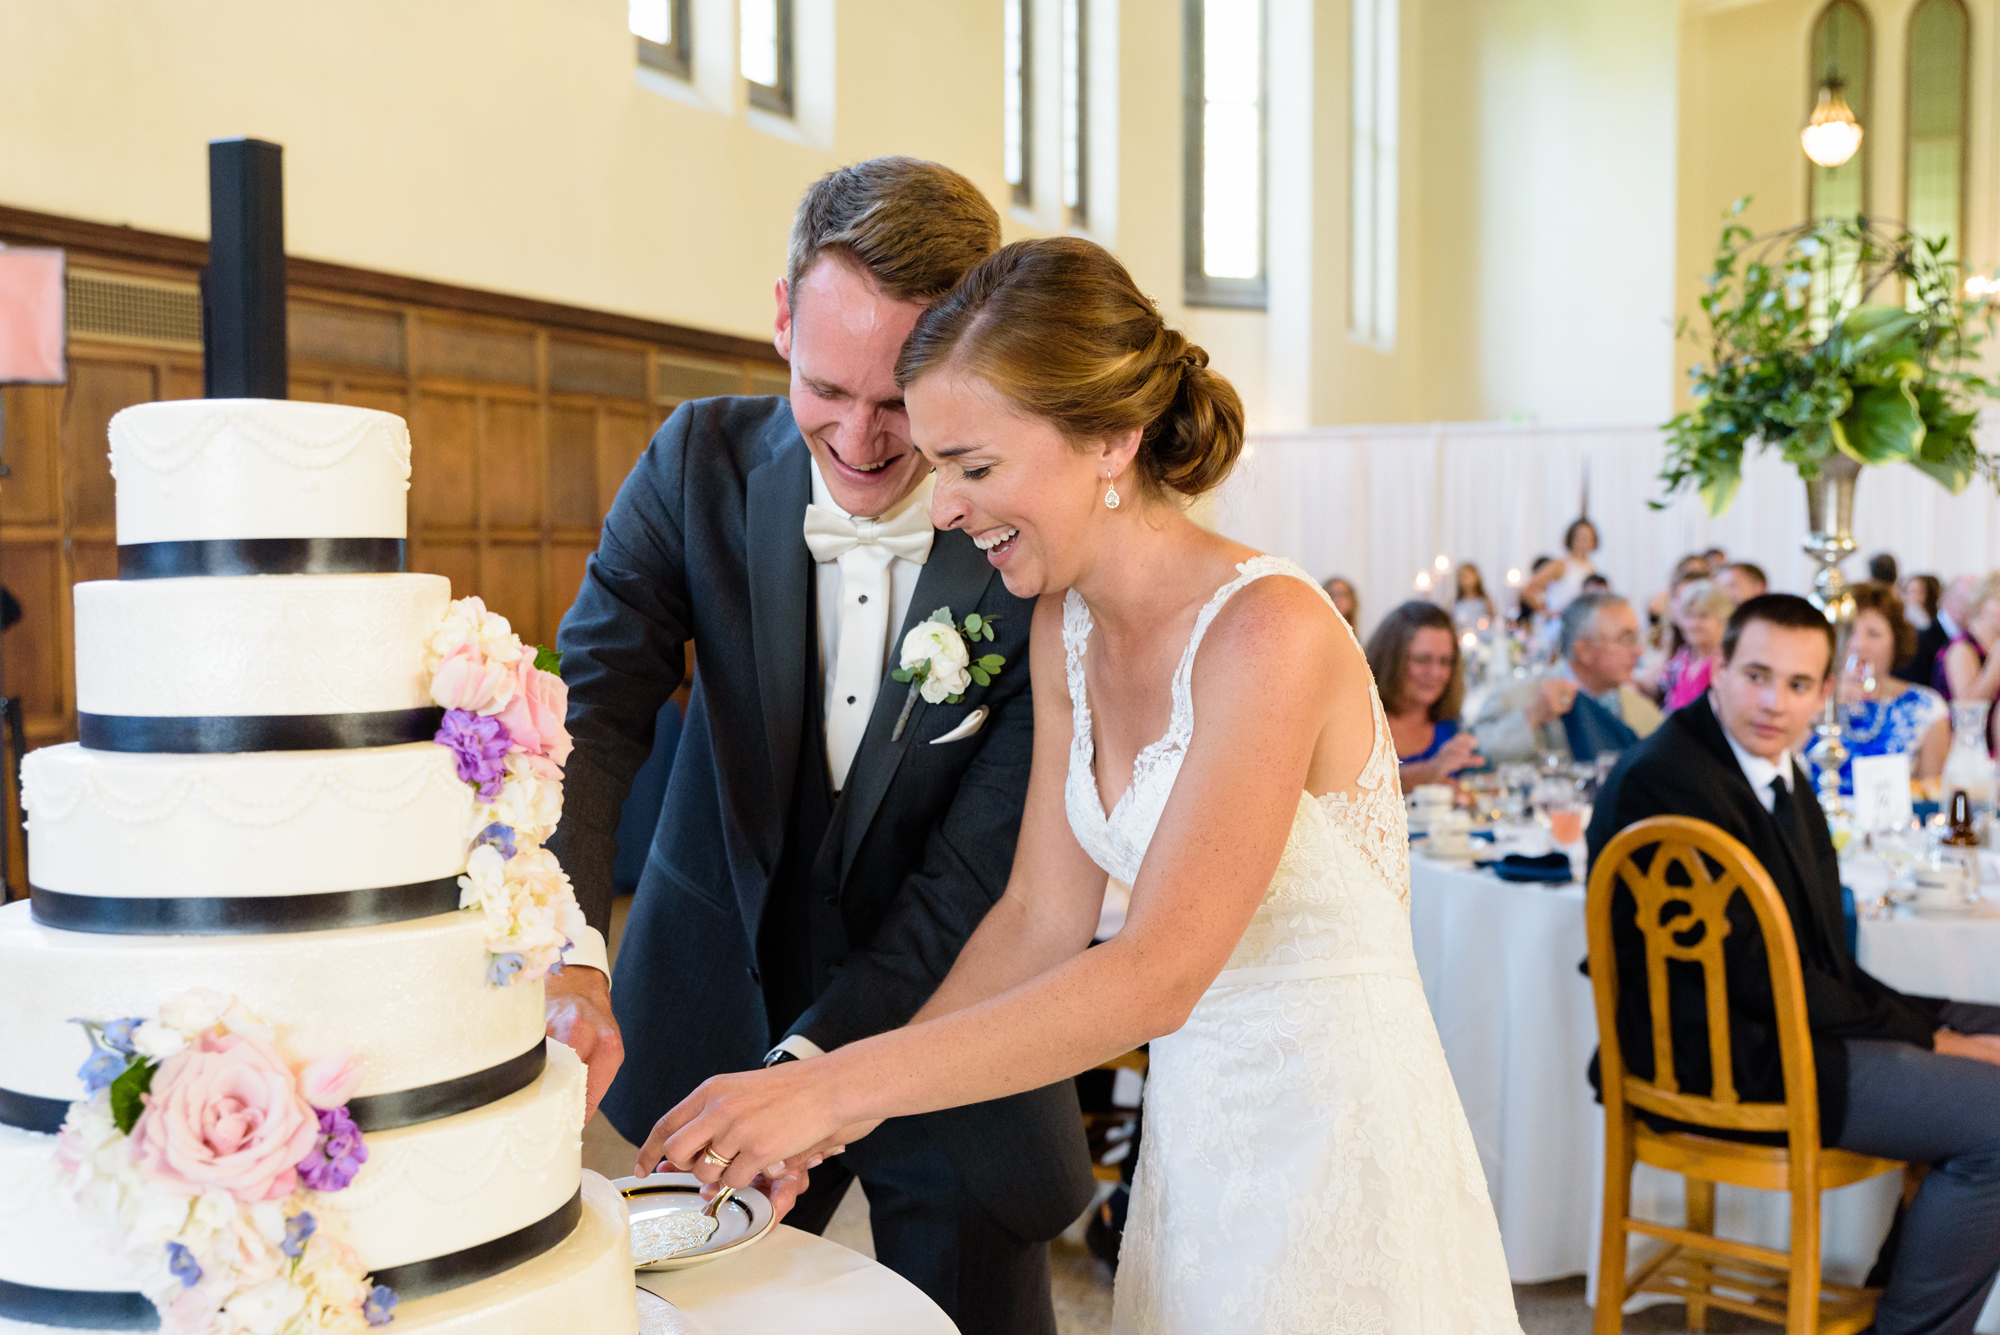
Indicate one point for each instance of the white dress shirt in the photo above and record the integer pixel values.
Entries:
(852, 700)
(1761, 772)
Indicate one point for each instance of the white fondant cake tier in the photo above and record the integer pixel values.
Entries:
(193, 469)
(265, 823)
(427, 1190)
(582, 1284)
(256, 644)
(410, 998)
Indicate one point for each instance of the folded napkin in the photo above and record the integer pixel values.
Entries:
(1549, 868)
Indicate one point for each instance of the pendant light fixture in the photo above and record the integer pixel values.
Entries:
(1832, 136)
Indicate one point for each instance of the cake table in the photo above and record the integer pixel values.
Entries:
(791, 1283)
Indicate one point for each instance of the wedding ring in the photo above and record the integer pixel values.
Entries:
(710, 1156)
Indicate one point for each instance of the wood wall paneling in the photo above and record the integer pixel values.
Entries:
(525, 417)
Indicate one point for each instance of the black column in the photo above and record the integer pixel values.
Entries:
(243, 288)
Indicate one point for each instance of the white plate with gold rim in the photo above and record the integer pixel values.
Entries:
(743, 1219)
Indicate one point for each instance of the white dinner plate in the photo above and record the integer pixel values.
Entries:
(742, 1220)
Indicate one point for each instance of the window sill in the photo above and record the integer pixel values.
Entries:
(678, 90)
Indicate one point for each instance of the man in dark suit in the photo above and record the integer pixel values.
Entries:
(1904, 1077)
(828, 842)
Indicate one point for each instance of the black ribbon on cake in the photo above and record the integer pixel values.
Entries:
(419, 1279)
(77, 1309)
(241, 915)
(260, 556)
(375, 1112)
(209, 734)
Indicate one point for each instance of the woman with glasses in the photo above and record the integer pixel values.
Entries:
(1414, 656)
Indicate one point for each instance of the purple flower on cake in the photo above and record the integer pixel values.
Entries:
(497, 836)
(479, 745)
(503, 968)
(381, 1303)
(182, 1263)
(118, 1034)
(297, 1229)
(225, 1113)
(101, 1068)
(337, 1153)
(331, 1080)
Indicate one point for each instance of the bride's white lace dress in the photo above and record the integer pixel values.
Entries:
(1305, 1164)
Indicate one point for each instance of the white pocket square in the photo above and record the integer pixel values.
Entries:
(972, 723)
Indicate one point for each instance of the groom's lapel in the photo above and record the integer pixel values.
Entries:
(780, 594)
(956, 576)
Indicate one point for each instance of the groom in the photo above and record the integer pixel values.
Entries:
(820, 859)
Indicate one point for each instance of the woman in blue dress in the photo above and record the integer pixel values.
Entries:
(1418, 672)
(1885, 715)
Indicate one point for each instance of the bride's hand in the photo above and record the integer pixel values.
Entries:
(768, 1121)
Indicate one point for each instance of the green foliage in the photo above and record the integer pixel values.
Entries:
(548, 660)
(128, 1093)
(1807, 354)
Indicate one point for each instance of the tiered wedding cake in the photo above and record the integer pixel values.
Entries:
(259, 1070)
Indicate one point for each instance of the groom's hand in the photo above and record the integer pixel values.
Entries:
(578, 1007)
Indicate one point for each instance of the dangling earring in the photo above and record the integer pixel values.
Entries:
(1111, 498)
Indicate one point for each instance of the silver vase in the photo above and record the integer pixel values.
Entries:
(1829, 541)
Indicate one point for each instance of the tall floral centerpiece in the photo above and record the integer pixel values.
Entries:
(1842, 344)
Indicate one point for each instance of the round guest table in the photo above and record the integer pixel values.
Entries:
(1499, 964)
(791, 1283)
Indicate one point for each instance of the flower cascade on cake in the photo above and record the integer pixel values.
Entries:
(202, 1148)
(504, 708)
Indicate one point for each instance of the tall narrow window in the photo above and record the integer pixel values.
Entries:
(661, 29)
(1373, 199)
(1018, 138)
(765, 53)
(1841, 53)
(1076, 108)
(1934, 159)
(1224, 131)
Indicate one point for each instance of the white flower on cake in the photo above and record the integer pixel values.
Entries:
(202, 1150)
(504, 724)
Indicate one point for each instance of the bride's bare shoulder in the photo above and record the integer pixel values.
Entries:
(1280, 628)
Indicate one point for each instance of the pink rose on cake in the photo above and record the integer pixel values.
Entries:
(226, 1112)
(466, 679)
(534, 713)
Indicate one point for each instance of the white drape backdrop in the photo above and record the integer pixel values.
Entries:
(1379, 503)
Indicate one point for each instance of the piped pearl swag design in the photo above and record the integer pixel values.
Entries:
(1306, 1165)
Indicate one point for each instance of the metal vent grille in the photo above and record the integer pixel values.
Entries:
(678, 378)
(119, 308)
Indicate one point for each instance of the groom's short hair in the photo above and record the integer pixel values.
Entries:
(916, 227)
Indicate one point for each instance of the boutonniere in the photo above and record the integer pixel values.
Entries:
(939, 666)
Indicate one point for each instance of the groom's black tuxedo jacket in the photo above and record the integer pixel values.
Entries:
(1688, 769)
(704, 543)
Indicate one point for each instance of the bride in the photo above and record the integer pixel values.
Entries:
(1205, 730)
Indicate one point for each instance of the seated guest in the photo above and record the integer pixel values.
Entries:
(1743, 581)
(1911, 1078)
(1414, 656)
(1882, 568)
(1886, 716)
(1921, 598)
(1686, 571)
(1583, 705)
(1968, 670)
(1596, 584)
(1345, 601)
(1699, 612)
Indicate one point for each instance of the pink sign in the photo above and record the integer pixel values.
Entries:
(31, 316)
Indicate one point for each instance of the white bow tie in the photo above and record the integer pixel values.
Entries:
(830, 534)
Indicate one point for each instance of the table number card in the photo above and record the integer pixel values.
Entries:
(1882, 792)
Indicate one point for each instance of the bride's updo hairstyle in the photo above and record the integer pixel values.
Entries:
(1061, 331)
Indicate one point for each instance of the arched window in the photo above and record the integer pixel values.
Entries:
(1842, 48)
(1934, 157)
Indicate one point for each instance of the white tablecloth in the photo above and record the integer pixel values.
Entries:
(1936, 957)
(791, 1283)
(1499, 963)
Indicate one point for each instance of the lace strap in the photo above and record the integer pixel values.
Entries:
(1076, 638)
